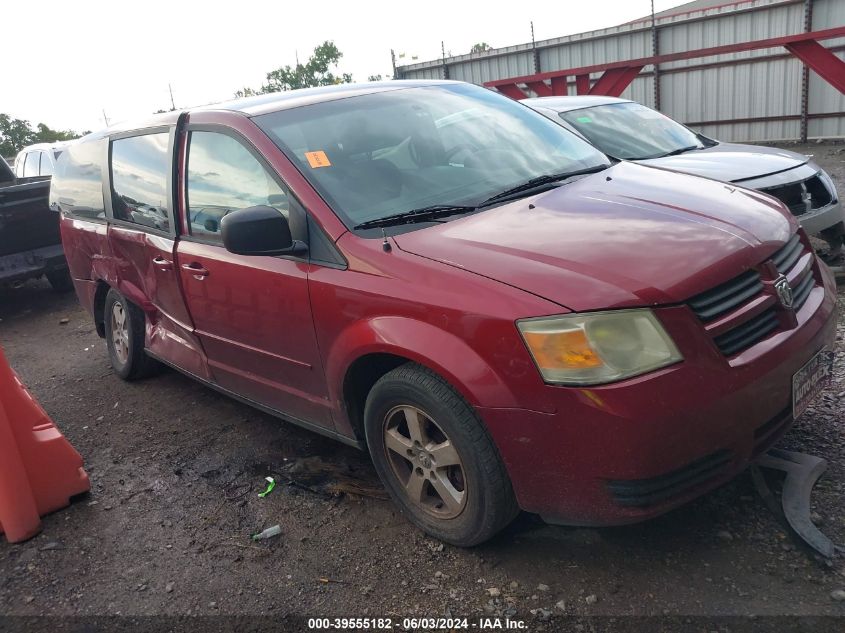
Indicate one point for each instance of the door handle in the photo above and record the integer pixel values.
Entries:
(196, 269)
(163, 264)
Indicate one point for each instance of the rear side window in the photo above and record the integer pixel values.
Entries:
(223, 176)
(30, 167)
(77, 185)
(139, 166)
(46, 165)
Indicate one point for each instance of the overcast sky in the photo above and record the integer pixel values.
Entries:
(67, 61)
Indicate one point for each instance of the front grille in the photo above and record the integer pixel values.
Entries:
(796, 195)
(802, 289)
(786, 257)
(646, 492)
(726, 297)
(722, 309)
(746, 334)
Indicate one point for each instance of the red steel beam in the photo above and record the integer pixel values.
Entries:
(541, 88)
(614, 81)
(828, 66)
(559, 87)
(672, 57)
(582, 84)
(511, 90)
(607, 81)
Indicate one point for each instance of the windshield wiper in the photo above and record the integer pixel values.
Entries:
(540, 181)
(431, 212)
(680, 150)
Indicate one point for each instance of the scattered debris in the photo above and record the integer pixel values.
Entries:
(64, 321)
(271, 483)
(838, 595)
(494, 592)
(542, 614)
(591, 599)
(802, 472)
(561, 604)
(268, 533)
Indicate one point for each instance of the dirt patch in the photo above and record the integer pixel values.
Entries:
(176, 469)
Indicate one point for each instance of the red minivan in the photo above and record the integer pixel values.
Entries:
(501, 315)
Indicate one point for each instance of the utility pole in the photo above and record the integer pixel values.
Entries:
(105, 118)
(443, 55)
(172, 104)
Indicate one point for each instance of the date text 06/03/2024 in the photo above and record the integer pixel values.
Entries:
(415, 624)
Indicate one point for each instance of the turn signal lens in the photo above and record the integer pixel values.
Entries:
(600, 347)
(569, 349)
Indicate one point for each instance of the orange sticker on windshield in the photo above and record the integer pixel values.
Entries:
(317, 159)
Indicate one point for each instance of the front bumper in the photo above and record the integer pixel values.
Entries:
(679, 432)
(817, 221)
(34, 263)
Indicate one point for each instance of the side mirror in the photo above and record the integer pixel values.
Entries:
(259, 230)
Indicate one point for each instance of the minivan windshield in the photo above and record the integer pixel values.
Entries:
(632, 131)
(409, 149)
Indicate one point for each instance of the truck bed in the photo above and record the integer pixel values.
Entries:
(26, 221)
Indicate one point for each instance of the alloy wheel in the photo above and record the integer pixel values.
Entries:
(425, 462)
(120, 332)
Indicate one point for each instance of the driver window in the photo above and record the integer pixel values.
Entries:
(222, 177)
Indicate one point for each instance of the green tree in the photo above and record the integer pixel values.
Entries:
(375, 78)
(317, 71)
(44, 134)
(480, 47)
(14, 135)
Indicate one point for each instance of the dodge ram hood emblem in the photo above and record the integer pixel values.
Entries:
(783, 291)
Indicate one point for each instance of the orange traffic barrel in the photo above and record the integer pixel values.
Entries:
(39, 470)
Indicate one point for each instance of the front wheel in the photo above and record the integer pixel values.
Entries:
(124, 323)
(435, 457)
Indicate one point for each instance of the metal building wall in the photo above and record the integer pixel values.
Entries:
(824, 98)
(724, 96)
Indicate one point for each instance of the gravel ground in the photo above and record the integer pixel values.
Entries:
(176, 467)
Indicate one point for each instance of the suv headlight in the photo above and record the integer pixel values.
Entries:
(598, 347)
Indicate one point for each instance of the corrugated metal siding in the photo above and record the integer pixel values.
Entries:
(746, 90)
(822, 96)
(479, 71)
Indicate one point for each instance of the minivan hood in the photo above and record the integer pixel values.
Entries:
(627, 236)
(731, 162)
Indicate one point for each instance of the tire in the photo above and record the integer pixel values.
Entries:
(466, 498)
(125, 338)
(60, 280)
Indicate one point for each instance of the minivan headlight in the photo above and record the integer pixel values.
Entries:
(598, 347)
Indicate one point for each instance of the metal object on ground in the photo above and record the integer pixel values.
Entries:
(802, 472)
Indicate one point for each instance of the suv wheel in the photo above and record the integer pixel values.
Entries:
(435, 457)
(124, 323)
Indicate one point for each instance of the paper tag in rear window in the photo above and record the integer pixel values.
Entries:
(318, 159)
